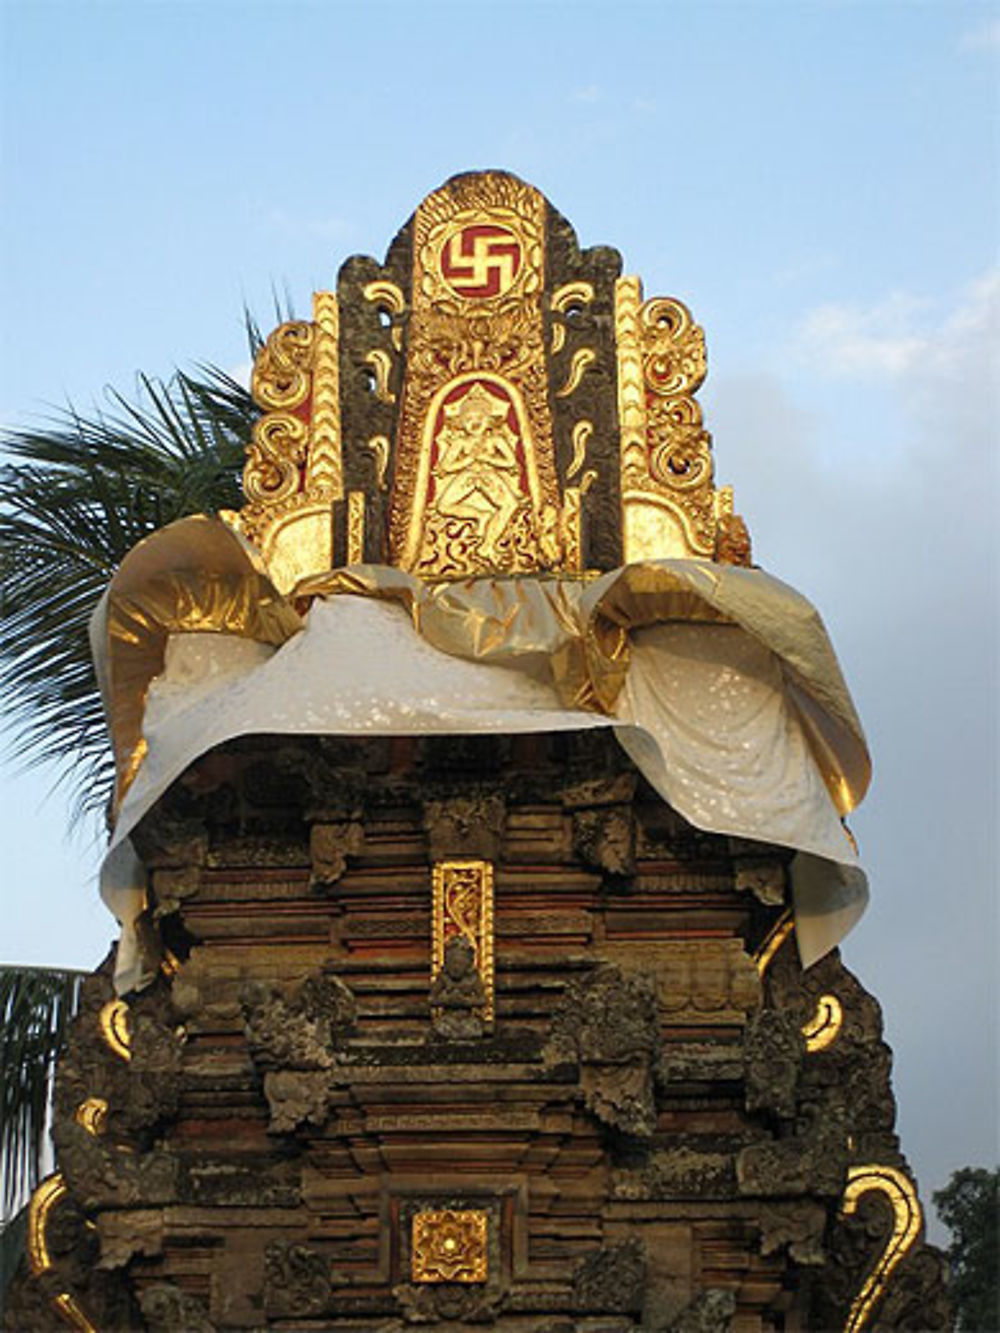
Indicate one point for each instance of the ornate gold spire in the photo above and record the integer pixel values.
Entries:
(490, 400)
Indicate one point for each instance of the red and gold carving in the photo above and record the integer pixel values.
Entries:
(450, 1246)
(481, 260)
(476, 390)
(463, 905)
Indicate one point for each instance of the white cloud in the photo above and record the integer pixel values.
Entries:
(984, 38)
(909, 337)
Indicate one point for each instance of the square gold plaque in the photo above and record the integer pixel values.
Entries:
(450, 1246)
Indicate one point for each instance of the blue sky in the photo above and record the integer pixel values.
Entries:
(819, 181)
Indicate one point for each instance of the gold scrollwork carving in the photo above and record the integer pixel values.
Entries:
(281, 384)
(48, 1194)
(388, 297)
(571, 294)
(673, 360)
(294, 468)
(567, 297)
(113, 1022)
(92, 1114)
(450, 1245)
(281, 373)
(44, 1199)
(582, 432)
(277, 453)
(668, 497)
(463, 905)
(906, 1223)
(379, 447)
(385, 294)
(823, 1028)
(583, 359)
(381, 364)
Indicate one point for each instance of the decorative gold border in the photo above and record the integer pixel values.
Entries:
(478, 931)
(907, 1221)
(356, 528)
(325, 467)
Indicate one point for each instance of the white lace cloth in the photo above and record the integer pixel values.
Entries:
(704, 714)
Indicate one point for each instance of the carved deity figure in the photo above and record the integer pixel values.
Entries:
(477, 473)
(458, 995)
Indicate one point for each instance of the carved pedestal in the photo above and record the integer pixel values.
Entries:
(471, 1032)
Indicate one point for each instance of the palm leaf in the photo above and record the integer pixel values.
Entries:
(36, 1004)
(76, 497)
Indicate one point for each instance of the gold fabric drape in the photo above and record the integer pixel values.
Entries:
(198, 575)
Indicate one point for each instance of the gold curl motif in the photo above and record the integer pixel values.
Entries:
(907, 1220)
(680, 451)
(583, 359)
(48, 1194)
(564, 299)
(281, 373)
(823, 1028)
(582, 432)
(674, 359)
(378, 446)
(278, 451)
(381, 365)
(386, 295)
(113, 1023)
(92, 1114)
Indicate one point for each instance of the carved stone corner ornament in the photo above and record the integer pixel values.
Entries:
(609, 1024)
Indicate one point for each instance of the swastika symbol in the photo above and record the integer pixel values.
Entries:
(481, 260)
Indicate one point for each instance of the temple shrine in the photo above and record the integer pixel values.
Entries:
(479, 854)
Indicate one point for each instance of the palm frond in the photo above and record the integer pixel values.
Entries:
(77, 495)
(36, 1004)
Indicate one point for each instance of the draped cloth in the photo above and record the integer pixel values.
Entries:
(719, 682)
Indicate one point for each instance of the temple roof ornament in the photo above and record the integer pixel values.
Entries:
(489, 400)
